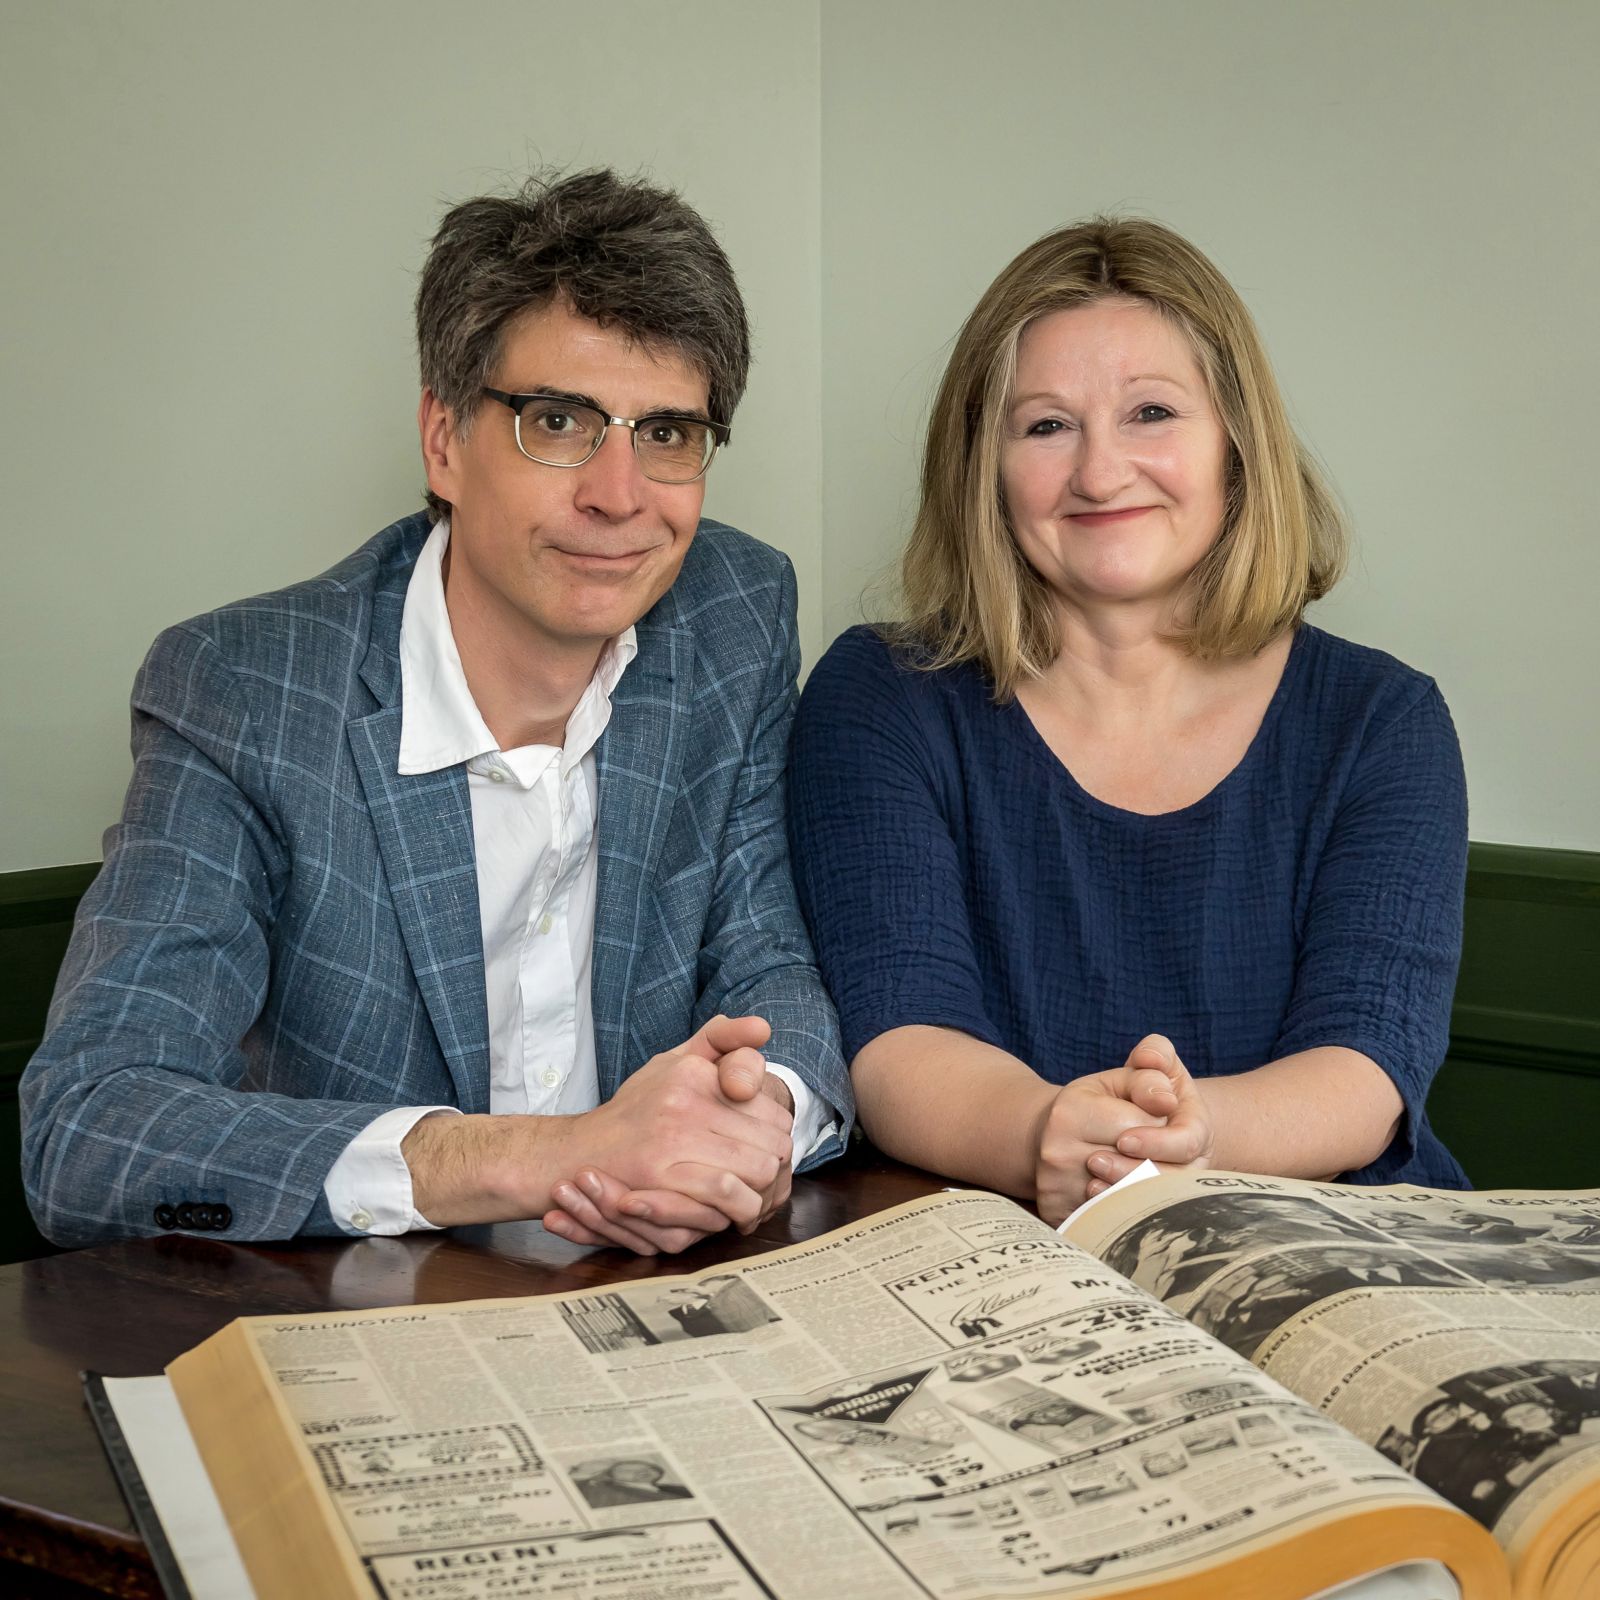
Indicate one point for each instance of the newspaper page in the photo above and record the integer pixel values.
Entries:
(946, 1400)
(1457, 1333)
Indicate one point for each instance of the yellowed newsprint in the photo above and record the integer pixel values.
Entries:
(950, 1400)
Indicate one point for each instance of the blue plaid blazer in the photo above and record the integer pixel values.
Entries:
(284, 939)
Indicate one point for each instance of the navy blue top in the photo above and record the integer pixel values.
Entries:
(955, 874)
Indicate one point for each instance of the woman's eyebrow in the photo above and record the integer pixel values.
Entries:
(1056, 397)
(1159, 377)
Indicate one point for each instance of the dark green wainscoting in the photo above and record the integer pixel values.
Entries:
(36, 910)
(1518, 1099)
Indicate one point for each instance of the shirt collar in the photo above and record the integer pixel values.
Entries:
(440, 724)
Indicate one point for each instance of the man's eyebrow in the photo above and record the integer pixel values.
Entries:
(573, 398)
(686, 413)
(546, 392)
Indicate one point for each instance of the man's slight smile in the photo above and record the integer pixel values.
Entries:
(620, 561)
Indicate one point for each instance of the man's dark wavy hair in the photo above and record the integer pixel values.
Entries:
(619, 251)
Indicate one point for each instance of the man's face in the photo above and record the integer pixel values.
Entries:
(1443, 1417)
(562, 558)
(1529, 1417)
(1053, 1414)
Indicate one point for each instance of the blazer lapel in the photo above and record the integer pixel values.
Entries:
(424, 829)
(637, 763)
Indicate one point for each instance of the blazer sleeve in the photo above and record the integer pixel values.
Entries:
(755, 953)
(138, 1098)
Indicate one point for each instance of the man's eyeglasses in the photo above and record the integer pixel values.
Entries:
(565, 433)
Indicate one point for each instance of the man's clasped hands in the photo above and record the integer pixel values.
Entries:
(699, 1140)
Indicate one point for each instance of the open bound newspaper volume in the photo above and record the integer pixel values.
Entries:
(1213, 1386)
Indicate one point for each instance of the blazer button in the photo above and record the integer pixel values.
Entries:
(202, 1218)
(221, 1217)
(185, 1215)
(166, 1217)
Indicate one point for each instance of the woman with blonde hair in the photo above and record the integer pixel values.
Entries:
(1106, 852)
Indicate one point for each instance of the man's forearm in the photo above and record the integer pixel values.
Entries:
(484, 1168)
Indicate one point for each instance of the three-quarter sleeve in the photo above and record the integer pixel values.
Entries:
(872, 835)
(1381, 936)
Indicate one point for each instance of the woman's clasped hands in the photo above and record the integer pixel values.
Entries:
(1099, 1127)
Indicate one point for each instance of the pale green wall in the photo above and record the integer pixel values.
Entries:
(213, 215)
(198, 197)
(1408, 196)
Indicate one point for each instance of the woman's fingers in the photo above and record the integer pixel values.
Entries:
(1107, 1167)
(1154, 1076)
(1184, 1139)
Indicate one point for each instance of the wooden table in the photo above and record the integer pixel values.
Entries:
(129, 1309)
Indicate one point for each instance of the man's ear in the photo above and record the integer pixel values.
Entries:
(441, 445)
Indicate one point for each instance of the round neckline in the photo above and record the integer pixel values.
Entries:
(1043, 753)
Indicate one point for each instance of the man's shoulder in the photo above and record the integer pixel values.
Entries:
(315, 623)
(723, 565)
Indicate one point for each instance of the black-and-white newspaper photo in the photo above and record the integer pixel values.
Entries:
(1459, 1334)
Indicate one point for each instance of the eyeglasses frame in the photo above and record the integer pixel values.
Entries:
(720, 431)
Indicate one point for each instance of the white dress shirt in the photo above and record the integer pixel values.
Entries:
(533, 831)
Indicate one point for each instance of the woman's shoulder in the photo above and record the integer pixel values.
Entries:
(1348, 685)
(875, 662)
(880, 647)
(873, 696)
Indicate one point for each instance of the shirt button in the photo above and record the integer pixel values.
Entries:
(496, 775)
(546, 923)
(551, 1077)
(361, 1219)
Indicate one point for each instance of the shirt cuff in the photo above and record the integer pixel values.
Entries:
(368, 1189)
(814, 1119)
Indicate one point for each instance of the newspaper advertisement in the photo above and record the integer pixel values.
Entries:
(947, 1400)
(1457, 1333)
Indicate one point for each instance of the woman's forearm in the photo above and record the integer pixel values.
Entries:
(1311, 1115)
(940, 1099)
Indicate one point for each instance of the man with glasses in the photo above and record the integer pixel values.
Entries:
(452, 885)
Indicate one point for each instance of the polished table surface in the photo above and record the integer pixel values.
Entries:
(128, 1309)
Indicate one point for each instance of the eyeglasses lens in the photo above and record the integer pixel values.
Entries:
(565, 434)
(559, 434)
(672, 450)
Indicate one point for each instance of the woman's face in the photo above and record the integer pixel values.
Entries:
(1113, 459)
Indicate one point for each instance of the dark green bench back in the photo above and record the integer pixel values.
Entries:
(1519, 1097)
(1518, 1100)
(36, 910)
